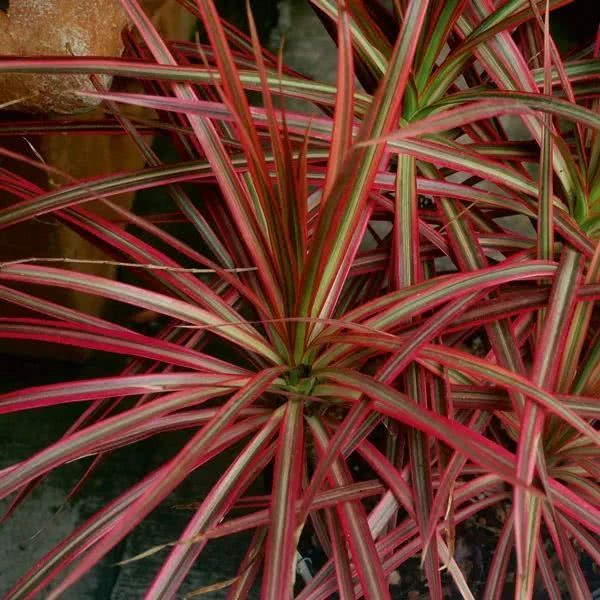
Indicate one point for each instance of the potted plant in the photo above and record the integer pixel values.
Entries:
(343, 265)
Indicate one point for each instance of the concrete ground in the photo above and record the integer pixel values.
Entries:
(43, 520)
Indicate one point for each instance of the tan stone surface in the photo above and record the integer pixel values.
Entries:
(81, 156)
(57, 28)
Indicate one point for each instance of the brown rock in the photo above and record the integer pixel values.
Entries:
(57, 28)
(81, 156)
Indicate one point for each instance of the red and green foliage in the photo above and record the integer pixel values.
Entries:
(346, 257)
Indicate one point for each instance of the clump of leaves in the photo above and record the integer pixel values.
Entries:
(350, 257)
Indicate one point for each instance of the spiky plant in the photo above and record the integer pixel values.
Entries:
(350, 257)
